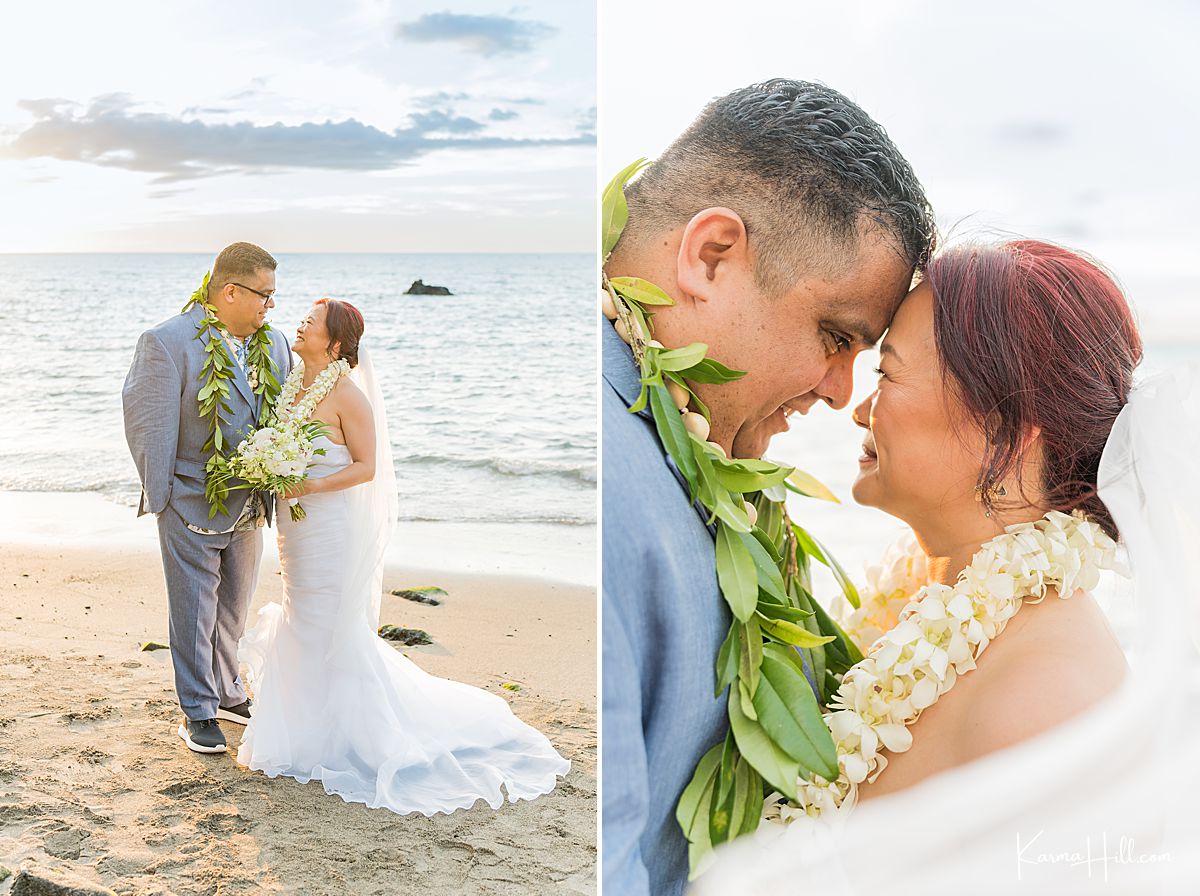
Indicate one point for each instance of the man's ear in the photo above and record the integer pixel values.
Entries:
(712, 247)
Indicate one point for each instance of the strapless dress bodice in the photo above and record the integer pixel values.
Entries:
(336, 457)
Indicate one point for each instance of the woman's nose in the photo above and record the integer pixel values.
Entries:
(861, 415)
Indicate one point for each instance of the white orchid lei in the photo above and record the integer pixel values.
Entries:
(939, 634)
(317, 392)
(276, 458)
(890, 585)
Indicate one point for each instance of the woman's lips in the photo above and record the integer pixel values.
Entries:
(868, 456)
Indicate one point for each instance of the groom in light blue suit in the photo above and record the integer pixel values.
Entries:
(786, 227)
(210, 563)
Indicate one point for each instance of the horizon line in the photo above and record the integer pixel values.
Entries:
(298, 252)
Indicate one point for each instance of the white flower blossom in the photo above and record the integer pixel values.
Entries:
(922, 636)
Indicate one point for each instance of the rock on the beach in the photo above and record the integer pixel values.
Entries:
(420, 288)
(409, 637)
(154, 645)
(33, 881)
(425, 594)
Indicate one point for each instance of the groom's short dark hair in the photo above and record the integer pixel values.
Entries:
(801, 164)
(238, 261)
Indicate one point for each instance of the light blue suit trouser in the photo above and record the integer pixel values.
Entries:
(210, 581)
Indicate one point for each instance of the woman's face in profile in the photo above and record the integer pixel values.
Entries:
(312, 335)
(921, 451)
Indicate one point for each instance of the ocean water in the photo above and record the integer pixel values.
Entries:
(490, 392)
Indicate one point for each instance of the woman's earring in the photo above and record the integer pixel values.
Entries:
(987, 493)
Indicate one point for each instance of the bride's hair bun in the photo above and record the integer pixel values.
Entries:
(1035, 335)
(345, 325)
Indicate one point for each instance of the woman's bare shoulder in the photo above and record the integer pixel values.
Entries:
(1034, 687)
(349, 395)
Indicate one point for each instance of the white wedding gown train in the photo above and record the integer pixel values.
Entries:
(334, 702)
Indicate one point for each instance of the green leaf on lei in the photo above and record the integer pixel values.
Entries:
(641, 291)
(778, 768)
(736, 573)
(788, 712)
(712, 373)
(671, 431)
(614, 208)
(680, 358)
(814, 549)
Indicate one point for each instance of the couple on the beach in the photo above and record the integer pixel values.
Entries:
(779, 236)
(332, 701)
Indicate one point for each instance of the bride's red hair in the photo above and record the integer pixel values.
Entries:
(345, 325)
(1035, 335)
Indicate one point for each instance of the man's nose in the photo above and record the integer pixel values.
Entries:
(838, 384)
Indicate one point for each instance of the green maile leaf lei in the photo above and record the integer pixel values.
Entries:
(216, 373)
(764, 562)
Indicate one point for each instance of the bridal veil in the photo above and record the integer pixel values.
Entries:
(371, 519)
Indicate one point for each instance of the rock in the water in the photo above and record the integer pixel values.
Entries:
(421, 288)
(41, 882)
(409, 637)
(425, 594)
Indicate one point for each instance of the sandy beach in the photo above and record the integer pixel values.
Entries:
(94, 783)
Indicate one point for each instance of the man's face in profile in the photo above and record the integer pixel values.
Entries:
(797, 347)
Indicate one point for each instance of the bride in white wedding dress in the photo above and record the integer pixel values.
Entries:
(1064, 758)
(332, 701)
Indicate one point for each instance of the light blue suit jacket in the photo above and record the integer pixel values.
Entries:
(664, 620)
(165, 432)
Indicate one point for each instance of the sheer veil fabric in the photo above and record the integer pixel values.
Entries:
(334, 702)
(1107, 802)
(372, 510)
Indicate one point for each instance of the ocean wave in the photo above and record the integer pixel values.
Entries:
(559, 520)
(506, 466)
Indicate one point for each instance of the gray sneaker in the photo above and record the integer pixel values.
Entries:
(239, 715)
(203, 736)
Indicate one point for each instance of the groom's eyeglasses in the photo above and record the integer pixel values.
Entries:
(266, 296)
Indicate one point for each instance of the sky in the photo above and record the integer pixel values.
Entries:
(1070, 121)
(369, 125)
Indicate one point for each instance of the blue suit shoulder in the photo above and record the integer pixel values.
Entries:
(173, 326)
(634, 474)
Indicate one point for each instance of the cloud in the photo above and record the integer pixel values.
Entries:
(207, 110)
(587, 122)
(502, 115)
(485, 35)
(441, 98)
(109, 133)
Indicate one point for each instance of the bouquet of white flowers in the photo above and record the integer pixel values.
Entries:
(275, 459)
